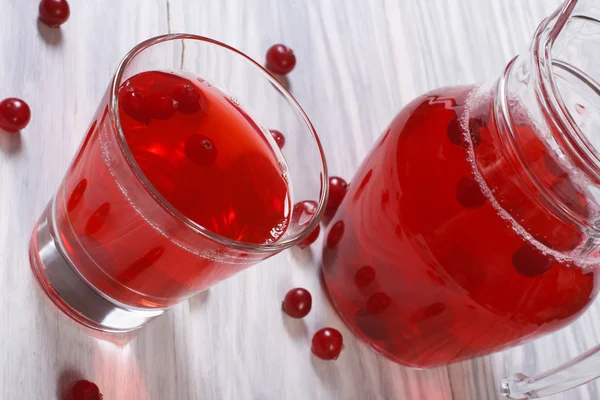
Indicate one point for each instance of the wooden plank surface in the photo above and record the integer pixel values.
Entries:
(359, 62)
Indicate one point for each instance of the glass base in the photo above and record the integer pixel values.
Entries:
(70, 292)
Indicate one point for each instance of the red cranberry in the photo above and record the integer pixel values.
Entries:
(337, 191)
(279, 138)
(188, 98)
(310, 239)
(280, 59)
(327, 344)
(54, 13)
(297, 303)
(468, 193)
(135, 104)
(303, 212)
(77, 195)
(454, 132)
(161, 106)
(200, 150)
(475, 126)
(364, 276)
(96, 221)
(83, 390)
(14, 114)
(378, 303)
(530, 261)
(335, 234)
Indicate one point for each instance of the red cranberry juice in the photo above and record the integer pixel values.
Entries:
(421, 262)
(206, 157)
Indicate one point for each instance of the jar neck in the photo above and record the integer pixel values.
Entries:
(544, 110)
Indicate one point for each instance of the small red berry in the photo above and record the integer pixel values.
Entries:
(161, 106)
(98, 218)
(279, 138)
(530, 261)
(378, 303)
(364, 276)
(83, 390)
(335, 234)
(200, 150)
(188, 98)
(280, 59)
(468, 193)
(134, 103)
(337, 191)
(54, 13)
(297, 303)
(304, 212)
(327, 344)
(310, 239)
(14, 114)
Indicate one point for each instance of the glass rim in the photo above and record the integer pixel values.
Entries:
(166, 205)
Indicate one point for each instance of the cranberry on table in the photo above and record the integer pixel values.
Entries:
(310, 239)
(280, 59)
(327, 344)
(14, 114)
(54, 13)
(83, 390)
(297, 303)
(337, 191)
(279, 138)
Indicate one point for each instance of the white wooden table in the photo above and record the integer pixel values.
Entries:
(367, 58)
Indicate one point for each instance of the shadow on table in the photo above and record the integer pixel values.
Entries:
(52, 36)
(83, 353)
(10, 143)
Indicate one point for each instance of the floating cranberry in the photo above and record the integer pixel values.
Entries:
(310, 239)
(530, 261)
(279, 138)
(83, 390)
(364, 276)
(77, 195)
(280, 59)
(161, 106)
(337, 191)
(297, 303)
(54, 13)
(454, 132)
(200, 150)
(188, 98)
(134, 104)
(378, 303)
(475, 126)
(14, 114)
(335, 234)
(327, 344)
(468, 193)
(98, 218)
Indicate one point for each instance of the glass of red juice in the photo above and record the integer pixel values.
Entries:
(178, 184)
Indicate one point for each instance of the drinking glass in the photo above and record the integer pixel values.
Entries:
(111, 251)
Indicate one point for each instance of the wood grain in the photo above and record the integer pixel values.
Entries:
(359, 62)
